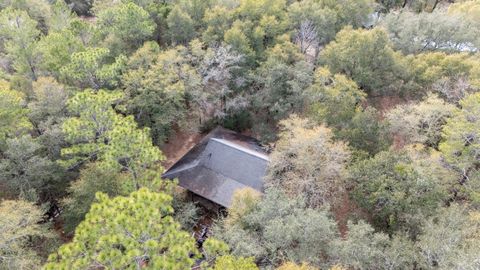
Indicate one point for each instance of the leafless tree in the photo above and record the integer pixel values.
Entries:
(453, 89)
(216, 69)
(307, 38)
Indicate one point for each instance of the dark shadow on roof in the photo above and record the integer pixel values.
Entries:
(222, 162)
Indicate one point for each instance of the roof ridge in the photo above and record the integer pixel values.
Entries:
(242, 148)
(183, 168)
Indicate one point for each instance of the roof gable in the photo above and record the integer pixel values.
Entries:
(236, 162)
(221, 163)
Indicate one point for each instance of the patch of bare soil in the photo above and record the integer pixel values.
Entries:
(345, 209)
(342, 211)
(398, 141)
(58, 225)
(386, 103)
(89, 19)
(178, 145)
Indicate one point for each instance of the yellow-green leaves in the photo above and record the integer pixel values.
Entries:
(333, 99)
(308, 162)
(89, 68)
(461, 143)
(420, 122)
(181, 26)
(13, 114)
(234, 263)
(366, 57)
(157, 90)
(128, 233)
(19, 32)
(18, 226)
(98, 132)
(88, 132)
(123, 27)
(400, 188)
(56, 48)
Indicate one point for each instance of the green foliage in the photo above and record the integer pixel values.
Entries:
(307, 162)
(55, 50)
(93, 178)
(48, 101)
(421, 122)
(26, 173)
(19, 32)
(61, 17)
(130, 148)
(336, 101)
(180, 27)
(315, 24)
(256, 25)
(452, 76)
(217, 20)
(19, 229)
(243, 202)
(236, 38)
(255, 10)
(461, 144)
(366, 57)
(38, 10)
(353, 12)
(467, 9)
(450, 239)
(278, 229)
(399, 188)
(182, 87)
(128, 233)
(303, 266)
(90, 68)
(95, 117)
(83, 30)
(437, 31)
(187, 213)
(47, 113)
(414, 5)
(281, 80)
(13, 114)
(157, 91)
(231, 262)
(216, 257)
(144, 57)
(124, 27)
(157, 11)
(363, 248)
(333, 99)
(96, 93)
(196, 9)
(366, 133)
(98, 132)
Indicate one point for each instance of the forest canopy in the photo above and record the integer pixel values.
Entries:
(369, 111)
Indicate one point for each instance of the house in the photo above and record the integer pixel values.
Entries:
(221, 163)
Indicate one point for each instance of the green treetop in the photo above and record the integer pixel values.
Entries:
(124, 27)
(13, 113)
(97, 131)
(19, 33)
(19, 229)
(461, 143)
(90, 68)
(131, 232)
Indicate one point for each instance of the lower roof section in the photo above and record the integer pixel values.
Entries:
(208, 184)
(221, 163)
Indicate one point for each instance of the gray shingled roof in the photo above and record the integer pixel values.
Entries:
(221, 163)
